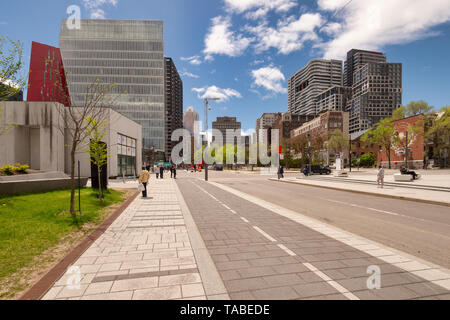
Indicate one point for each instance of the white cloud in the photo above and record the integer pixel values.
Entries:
(270, 78)
(256, 62)
(220, 40)
(94, 7)
(240, 6)
(374, 24)
(290, 34)
(189, 75)
(195, 60)
(97, 14)
(216, 92)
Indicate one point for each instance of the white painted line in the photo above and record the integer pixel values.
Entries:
(287, 250)
(245, 220)
(232, 211)
(331, 282)
(264, 234)
(410, 263)
(226, 206)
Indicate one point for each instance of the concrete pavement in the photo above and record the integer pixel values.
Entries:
(262, 254)
(145, 254)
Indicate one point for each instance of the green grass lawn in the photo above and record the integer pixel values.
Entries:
(32, 223)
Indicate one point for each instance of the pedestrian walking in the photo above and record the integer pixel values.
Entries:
(161, 172)
(280, 172)
(174, 170)
(171, 171)
(380, 177)
(144, 177)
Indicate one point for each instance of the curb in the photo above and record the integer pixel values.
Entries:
(445, 204)
(39, 289)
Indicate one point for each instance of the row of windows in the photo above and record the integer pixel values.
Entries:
(114, 71)
(128, 89)
(113, 55)
(124, 45)
(116, 79)
(114, 63)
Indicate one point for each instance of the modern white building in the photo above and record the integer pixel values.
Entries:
(39, 139)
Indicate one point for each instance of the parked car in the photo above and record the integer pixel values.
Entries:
(317, 169)
(219, 167)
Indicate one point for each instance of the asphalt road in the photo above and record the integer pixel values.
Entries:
(422, 230)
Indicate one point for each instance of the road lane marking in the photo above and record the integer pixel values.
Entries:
(288, 251)
(245, 220)
(341, 235)
(232, 211)
(264, 234)
(331, 282)
(226, 206)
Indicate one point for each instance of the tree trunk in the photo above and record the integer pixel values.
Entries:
(100, 195)
(388, 151)
(72, 178)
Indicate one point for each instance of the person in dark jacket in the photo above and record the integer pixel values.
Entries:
(280, 172)
(403, 170)
(161, 172)
(174, 171)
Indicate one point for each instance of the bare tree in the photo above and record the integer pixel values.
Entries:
(75, 125)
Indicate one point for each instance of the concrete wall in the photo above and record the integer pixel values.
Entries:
(117, 124)
(39, 142)
(36, 139)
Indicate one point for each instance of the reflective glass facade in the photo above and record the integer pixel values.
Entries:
(128, 53)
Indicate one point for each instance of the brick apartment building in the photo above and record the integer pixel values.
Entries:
(416, 147)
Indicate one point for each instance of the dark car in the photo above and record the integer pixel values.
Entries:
(317, 169)
(218, 167)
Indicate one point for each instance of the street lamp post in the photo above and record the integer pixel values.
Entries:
(206, 131)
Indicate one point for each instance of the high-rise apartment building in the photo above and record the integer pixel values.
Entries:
(129, 54)
(174, 103)
(334, 98)
(305, 85)
(377, 92)
(47, 79)
(228, 123)
(190, 117)
(356, 59)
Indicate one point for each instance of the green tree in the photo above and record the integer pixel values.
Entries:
(367, 160)
(438, 133)
(338, 140)
(12, 80)
(382, 134)
(97, 149)
(417, 107)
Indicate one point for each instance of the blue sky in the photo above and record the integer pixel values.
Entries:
(245, 50)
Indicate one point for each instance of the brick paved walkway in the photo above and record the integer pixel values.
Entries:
(261, 254)
(145, 254)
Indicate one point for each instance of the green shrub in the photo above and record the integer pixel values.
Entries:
(367, 160)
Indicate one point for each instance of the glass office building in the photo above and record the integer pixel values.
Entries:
(128, 53)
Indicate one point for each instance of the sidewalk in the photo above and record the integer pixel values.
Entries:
(145, 254)
(393, 191)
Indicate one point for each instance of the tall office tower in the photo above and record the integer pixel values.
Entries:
(305, 85)
(129, 54)
(377, 92)
(174, 103)
(228, 123)
(189, 119)
(356, 59)
(334, 98)
(47, 79)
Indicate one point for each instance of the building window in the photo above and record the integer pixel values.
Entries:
(126, 155)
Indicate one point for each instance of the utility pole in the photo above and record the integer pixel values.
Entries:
(406, 150)
(206, 131)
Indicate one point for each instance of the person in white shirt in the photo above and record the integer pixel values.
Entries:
(380, 176)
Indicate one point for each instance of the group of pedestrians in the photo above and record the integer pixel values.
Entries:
(144, 176)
